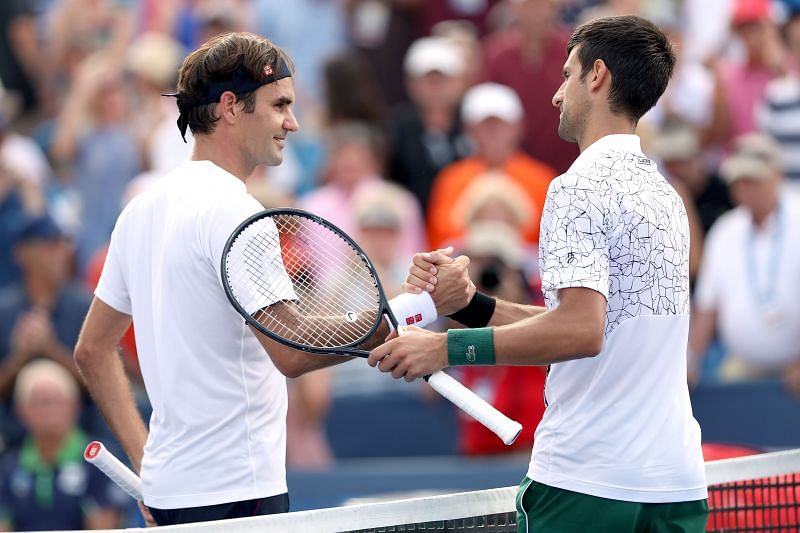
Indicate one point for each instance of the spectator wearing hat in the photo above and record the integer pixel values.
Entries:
(41, 316)
(750, 276)
(355, 161)
(426, 133)
(46, 484)
(494, 119)
(529, 59)
(498, 256)
(740, 84)
(779, 113)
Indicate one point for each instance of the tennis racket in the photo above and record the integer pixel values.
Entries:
(99, 456)
(303, 282)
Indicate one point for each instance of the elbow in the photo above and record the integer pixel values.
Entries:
(592, 346)
(291, 371)
(84, 356)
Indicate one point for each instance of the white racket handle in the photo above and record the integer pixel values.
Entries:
(99, 456)
(508, 430)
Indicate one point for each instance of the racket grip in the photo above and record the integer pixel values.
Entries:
(99, 456)
(508, 430)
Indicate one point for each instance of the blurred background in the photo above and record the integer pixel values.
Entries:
(424, 123)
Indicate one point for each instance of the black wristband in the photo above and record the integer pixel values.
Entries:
(478, 311)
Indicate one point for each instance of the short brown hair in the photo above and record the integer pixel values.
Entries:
(636, 52)
(217, 59)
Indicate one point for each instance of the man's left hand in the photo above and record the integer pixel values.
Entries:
(414, 354)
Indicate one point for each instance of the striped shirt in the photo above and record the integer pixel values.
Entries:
(779, 116)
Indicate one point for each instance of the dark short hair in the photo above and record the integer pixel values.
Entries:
(218, 58)
(636, 52)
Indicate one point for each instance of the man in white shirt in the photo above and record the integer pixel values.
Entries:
(618, 448)
(750, 276)
(216, 442)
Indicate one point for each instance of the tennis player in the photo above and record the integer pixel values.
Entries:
(618, 448)
(216, 442)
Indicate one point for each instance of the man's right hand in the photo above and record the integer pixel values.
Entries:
(444, 277)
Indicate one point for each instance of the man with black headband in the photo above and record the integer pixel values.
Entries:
(217, 435)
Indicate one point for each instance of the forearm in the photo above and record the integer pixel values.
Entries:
(509, 313)
(107, 383)
(545, 338)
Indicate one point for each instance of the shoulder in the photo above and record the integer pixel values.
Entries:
(729, 224)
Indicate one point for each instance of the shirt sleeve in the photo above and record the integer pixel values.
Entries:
(255, 256)
(112, 288)
(574, 251)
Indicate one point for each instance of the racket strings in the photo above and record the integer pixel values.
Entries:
(333, 297)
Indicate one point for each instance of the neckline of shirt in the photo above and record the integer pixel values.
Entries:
(216, 169)
(618, 141)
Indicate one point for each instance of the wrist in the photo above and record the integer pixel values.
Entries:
(478, 311)
(470, 347)
(413, 309)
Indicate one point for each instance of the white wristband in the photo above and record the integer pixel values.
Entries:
(413, 309)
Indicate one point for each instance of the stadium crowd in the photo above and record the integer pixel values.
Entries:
(424, 123)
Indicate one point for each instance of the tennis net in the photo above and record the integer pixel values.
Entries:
(750, 494)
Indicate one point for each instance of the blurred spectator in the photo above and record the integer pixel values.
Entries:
(740, 84)
(379, 219)
(20, 198)
(351, 94)
(497, 258)
(95, 142)
(288, 23)
(704, 195)
(380, 32)
(780, 112)
(355, 160)
(41, 316)
(46, 484)
(750, 278)
(426, 133)
(153, 60)
(18, 153)
(493, 118)
(690, 93)
(476, 12)
(307, 445)
(465, 36)
(677, 146)
(530, 61)
(77, 29)
(20, 53)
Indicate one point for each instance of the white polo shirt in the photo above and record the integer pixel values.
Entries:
(620, 425)
(752, 279)
(217, 432)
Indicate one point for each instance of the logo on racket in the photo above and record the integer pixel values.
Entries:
(351, 316)
(93, 450)
(471, 353)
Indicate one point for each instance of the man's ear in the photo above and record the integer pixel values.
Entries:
(228, 107)
(599, 75)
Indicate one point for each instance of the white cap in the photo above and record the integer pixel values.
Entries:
(434, 54)
(491, 100)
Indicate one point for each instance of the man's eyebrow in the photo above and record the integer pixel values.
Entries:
(285, 100)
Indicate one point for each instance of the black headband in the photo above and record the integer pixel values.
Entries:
(239, 82)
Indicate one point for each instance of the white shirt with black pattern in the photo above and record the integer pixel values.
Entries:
(620, 425)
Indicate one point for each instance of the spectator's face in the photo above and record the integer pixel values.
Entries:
(381, 244)
(47, 260)
(572, 99)
(792, 33)
(436, 90)
(351, 162)
(535, 16)
(754, 36)
(496, 136)
(759, 196)
(48, 412)
(263, 132)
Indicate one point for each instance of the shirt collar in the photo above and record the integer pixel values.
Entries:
(618, 141)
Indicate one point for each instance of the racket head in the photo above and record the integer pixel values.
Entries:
(290, 257)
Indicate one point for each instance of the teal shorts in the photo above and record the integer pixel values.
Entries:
(545, 509)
